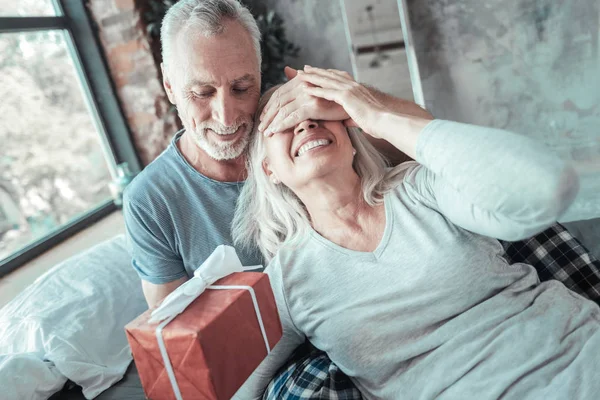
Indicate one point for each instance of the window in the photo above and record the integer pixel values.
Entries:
(62, 134)
(27, 8)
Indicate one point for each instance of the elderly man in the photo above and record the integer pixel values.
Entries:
(180, 207)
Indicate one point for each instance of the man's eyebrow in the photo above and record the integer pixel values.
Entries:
(246, 78)
(197, 82)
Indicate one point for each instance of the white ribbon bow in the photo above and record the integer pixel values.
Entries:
(222, 262)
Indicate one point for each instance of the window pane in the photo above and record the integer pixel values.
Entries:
(26, 8)
(52, 167)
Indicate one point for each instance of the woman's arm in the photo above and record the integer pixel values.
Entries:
(490, 181)
(397, 106)
(486, 180)
(256, 384)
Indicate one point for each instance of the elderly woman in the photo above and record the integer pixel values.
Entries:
(397, 273)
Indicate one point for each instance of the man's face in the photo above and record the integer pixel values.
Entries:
(215, 83)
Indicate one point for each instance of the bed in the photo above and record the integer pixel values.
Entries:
(62, 338)
(129, 388)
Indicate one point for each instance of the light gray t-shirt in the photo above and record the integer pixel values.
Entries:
(176, 217)
(436, 311)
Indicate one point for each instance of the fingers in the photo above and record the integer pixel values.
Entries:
(330, 94)
(322, 81)
(282, 96)
(284, 110)
(313, 105)
(331, 73)
(290, 113)
(290, 73)
(342, 74)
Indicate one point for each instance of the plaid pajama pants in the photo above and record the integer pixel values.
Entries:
(555, 254)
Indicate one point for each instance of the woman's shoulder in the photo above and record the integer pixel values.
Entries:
(397, 176)
(300, 251)
(411, 181)
(281, 258)
(286, 264)
(401, 170)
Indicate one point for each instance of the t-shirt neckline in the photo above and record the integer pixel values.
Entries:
(193, 170)
(383, 243)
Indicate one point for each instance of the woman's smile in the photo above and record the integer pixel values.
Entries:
(312, 145)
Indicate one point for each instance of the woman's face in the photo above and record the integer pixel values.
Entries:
(312, 150)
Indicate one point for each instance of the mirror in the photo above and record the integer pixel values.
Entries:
(381, 51)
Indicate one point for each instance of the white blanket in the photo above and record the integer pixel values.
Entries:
(70, 323)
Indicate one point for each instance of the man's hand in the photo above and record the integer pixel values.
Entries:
(292, 104)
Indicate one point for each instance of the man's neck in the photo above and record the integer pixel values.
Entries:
(219, 170)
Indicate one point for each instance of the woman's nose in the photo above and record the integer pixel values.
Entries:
(305, 125)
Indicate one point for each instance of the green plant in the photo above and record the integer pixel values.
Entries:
(153, 13)
(275, 47)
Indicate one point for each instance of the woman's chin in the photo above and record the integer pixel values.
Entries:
(323, 168)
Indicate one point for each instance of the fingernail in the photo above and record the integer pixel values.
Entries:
(267, 133)
(307, 66)
(260, 128)
(300, 71)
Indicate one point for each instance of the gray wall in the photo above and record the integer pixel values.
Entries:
(529, 66)
(314, 25)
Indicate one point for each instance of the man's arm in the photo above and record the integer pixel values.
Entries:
(155, 293)
(152, 256)
(291, 104)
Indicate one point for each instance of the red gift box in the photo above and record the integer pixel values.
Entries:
(213, 346)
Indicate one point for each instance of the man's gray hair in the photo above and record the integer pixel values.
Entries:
(268, 215)
(205, 17)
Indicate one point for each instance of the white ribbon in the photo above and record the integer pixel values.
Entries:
(222, 262)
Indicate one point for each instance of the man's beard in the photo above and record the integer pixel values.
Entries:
(226, 150)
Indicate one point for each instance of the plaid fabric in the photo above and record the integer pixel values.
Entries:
(310, 374)
(554, 253)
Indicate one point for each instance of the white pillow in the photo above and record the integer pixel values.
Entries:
(75, 316)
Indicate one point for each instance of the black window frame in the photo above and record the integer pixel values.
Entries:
(84, 45)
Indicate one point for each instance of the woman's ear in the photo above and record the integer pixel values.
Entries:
(270, 174)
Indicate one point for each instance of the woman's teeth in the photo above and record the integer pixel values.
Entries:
(311, 145)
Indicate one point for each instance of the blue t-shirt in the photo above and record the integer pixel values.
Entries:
(175, 217)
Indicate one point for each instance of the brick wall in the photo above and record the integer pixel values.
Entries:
(136, 75)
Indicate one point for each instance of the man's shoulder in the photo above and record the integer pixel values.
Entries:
(156, 180)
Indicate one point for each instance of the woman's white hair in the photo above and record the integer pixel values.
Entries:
(268, 215)
(205, 17)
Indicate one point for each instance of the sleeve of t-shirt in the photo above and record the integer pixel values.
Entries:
(153, 257)
(257, 383)
(490, 181)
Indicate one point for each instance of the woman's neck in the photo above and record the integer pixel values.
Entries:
(339, 212)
